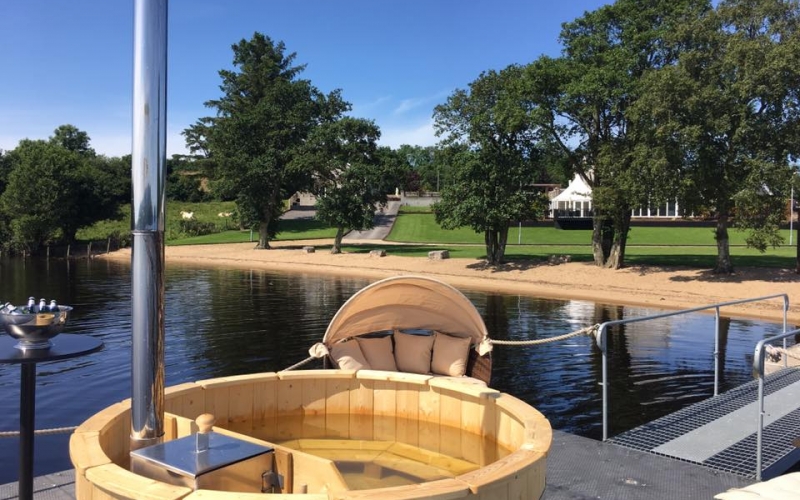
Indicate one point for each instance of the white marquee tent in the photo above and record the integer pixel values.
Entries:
(577, 197)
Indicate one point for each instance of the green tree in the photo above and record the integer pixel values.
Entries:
(262, 119)
(51, 193)
(38, 198)
(72, 138)
(421, 159)
(729, 111)
(352, 178)
(583, 99)
(496, 159)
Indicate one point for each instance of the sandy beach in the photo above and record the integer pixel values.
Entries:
(668, 288)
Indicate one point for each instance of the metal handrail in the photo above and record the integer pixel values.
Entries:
(758, 373)
(602, 340)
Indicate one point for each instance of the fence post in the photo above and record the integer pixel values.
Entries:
(89, 250)
(48, 252)
(108, 245)
(716, 351)
(68, 251)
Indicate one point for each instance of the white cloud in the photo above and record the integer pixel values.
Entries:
(407, 105)
(414, 135)
(361, 109)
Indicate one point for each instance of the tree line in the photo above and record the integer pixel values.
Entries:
(650, 100)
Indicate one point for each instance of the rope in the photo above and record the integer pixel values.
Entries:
(41, 432)
(298, 365)
(775, 353)
(589, 330)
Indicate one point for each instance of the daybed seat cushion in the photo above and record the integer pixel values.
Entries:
(379, 352)
(348, 356)
(449, 355)
(412, 353)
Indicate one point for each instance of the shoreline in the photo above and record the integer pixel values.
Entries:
(644, 286)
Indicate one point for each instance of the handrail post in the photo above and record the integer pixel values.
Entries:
(785, 312)
(759, 372)
(716, 351)
(602, 343)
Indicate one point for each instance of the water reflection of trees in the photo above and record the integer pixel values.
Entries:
(259, 321)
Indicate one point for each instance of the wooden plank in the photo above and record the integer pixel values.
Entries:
(170, 427)
(223, 495)
(217, 399)
(314, 396)
(489, 429)
(173, 396)
(501, 472)
(265, 408)
(85, 451)
(313, 403)
(284, 465)
(317, 474)
(407, 412)
(104, 418)
(113, 480)
(361, 407)
(450, 422)
(409, 378)
(115, 437)
(444, 489)
(289, 409)
(240, 407)
(337, 406)
(429, 408)
(472, 416)
(315, 374)
(184, 427)
(385, 411)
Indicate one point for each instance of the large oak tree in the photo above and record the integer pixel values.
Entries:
(496, 159)
(729, 110)
(264, 116)
(582, 100)
(352, 176)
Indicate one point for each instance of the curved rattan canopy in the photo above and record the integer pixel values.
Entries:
(407, 302)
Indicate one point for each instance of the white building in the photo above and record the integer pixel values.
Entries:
(576, 201)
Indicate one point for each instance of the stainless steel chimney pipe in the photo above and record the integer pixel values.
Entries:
(149, 158)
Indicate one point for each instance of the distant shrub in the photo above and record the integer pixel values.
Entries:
(193, 227)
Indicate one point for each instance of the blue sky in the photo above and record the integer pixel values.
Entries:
(71, 61)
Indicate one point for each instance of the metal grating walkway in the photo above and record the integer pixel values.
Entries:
(720, 432)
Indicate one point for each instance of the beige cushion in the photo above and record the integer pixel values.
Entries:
(348, 356)
(449, 355)
(379, 352)
(412, 353)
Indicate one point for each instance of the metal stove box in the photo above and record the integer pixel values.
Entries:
(228, 464)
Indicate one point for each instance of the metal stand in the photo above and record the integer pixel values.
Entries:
(64, 347)
(27, 420)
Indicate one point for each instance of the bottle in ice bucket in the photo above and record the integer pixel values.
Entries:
(10, 308)
(53, 306)
(42, 305)
(31, 307)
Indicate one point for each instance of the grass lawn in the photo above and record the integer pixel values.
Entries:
(421, 227)
(295, 229)
(703, 257)
(668, 246)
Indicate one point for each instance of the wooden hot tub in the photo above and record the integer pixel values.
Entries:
(454, 438)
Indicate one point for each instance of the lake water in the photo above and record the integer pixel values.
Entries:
(225, 322)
